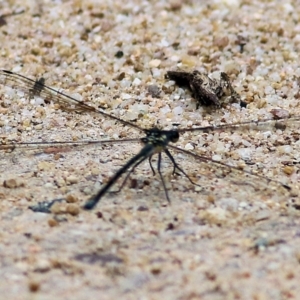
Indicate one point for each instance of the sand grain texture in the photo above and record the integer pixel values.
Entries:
(223, 240)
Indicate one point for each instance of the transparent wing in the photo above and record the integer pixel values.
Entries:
(17, 151)
(45, 171)
(38, 88)
(219, 181)
(264, 124)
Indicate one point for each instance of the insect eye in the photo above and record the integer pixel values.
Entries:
(174, 136)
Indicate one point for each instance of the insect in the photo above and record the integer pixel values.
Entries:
(207, 91)
(155, 141)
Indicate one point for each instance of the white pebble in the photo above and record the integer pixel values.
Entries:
(71, 179)
(156, 72)
(177, 110)
(244, 153)
(269, 90)
(243, 204)
(165, 109)
(217, 157)
(189, 146)
(164, 43)
(48, 185)
(154, 63)
(275, 77)
(125, 96)
(136, 82)
(267, 134)
(285, 149)
(38, 101)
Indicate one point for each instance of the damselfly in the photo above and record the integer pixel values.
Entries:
(155, 141)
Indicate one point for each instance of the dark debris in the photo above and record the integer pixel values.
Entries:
(207, 91)
(45, 206)
(103, 259)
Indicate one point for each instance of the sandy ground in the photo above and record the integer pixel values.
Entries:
(234, 236)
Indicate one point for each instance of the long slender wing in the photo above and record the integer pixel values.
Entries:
(36, 148)
(62, 143)
(229, 168)
(256, 125)
(32, 87)
(231, 181)
(34, 166)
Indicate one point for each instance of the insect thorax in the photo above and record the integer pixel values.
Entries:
(160, 138)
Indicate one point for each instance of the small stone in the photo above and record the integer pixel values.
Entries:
(178, 110)
(280, 113)
(154, 90)
(217, 157)
(10, 183)
(243, 204)
(194, 51)
(58, 208)
(125, 96)
(47, 41)
(175, 5)
(189, 146)
(188, 61)
(154, 63)
(95, 171)
(42, 265)
(136, 82)
(119, 54)
(44, 165)
(121, 76)
(221, 42)
(52, 223)
(71, 199)
(13, 183)
(156, 72)
(60, 182)
(232, 67)
(33, 286)
(156, 270)
(211, 198)
(289, 170)
(72, 209)
(87, 190)
(26, 123)
(71, 179)
(48, 185)
(262, 215)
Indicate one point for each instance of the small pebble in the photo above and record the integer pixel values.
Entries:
(52, 223)
(10, 183)
(72, 209)
(57, 208)
(136, 82)
(33, 286)
(217, 157)
(72, 179)
(42, 265)
(289, 170)
(154, 63)
(188, 146)
(71, 199)
(154, 90)
(119, 54)
(279, 113)
(262, 215)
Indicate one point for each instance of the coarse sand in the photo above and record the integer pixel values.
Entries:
(232, 236)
